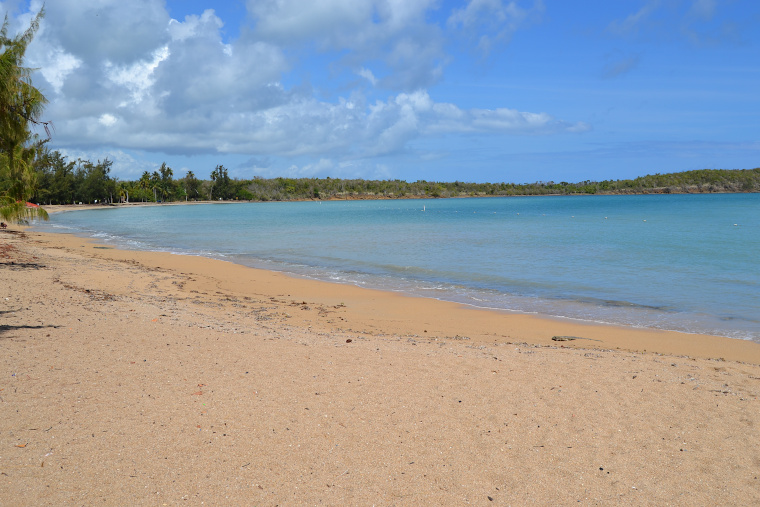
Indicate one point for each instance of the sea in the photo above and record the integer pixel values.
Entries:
(687, 263)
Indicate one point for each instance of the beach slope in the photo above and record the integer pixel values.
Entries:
(146, 378)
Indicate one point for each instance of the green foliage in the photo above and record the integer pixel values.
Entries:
(221, 187)
(192, 186)
(60, 181)
(21, 104)
(707, 180)
(93, 183)
(56, 180)
(162, 184)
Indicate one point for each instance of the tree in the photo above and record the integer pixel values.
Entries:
(144, 183)
(220, 183)
(166, 185)
(192, 186)
(94, 182)
(55, 182)
(166, 172)
(155, 185)
(21, 104)
(123, 191)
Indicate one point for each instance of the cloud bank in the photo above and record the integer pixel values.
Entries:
(126, 75)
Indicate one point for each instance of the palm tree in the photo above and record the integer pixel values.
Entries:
(123, 192)
(166, 172)
(166, 183)
(155, 184)
(20, 104)
(144, 182)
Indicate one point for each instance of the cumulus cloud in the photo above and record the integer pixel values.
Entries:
(336, 24)
(393, 34)
(136, 77)
(105, 30)
(407, 116)
(107, 120)
(129, 77)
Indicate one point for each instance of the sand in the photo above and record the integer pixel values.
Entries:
(138, 378)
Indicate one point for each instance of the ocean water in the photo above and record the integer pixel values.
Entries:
(680, 262)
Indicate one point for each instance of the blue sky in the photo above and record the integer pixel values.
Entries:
(479, 90)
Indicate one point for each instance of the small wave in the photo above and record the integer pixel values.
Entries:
(556, 269)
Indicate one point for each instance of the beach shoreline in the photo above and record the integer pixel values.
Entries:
(151, 378)
(502, 325)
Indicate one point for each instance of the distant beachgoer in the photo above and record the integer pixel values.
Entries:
(3, 225)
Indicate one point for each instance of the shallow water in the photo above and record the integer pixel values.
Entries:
(680, 262)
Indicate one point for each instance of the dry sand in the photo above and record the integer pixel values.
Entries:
(137, 378)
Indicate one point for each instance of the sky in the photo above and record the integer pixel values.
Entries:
(475, 90)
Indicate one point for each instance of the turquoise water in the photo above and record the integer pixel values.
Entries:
(680, 262)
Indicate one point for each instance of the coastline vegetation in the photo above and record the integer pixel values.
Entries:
(61, 181)
(21, 107)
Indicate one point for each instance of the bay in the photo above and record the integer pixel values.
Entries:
(680, 262)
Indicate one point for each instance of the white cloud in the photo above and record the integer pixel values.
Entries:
(336, 24)
(132, 78)
(392, 33)
(308, 127)
(418, 114)
(697, 21)
(355, 168)
(492, 21)
(328, 21)
(322, 166)
(120, 32)
(107, 120)
(205, 24)
(55, 66)
(368, 75)
(138, 76)
(125, 165)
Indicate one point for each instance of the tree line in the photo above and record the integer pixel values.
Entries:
(62, 181)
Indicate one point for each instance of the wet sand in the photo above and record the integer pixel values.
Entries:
(148, 378)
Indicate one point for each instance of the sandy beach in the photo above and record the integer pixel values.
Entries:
(140, 378)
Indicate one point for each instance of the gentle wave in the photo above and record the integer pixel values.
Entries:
(666, 262)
